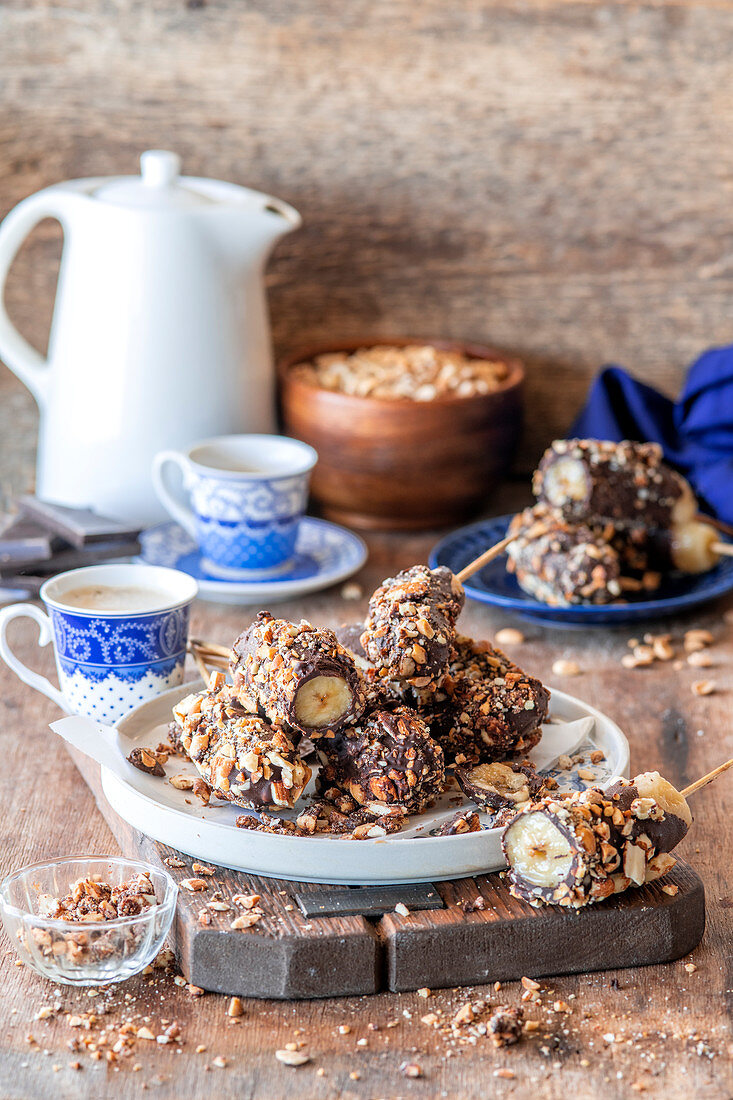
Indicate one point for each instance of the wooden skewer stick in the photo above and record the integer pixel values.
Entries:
(484, 559)
(212, 647)
(537, 529)
(718, 524)
(703, 782)
(196, 652)
(725, 549)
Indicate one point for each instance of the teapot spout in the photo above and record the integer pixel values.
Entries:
(250, 232)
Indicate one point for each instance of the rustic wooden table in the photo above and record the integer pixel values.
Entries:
(663, 1030)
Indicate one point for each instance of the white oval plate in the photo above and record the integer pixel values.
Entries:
(209, 833)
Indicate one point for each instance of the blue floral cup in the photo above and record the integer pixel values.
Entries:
(109, 661)
(248, 494)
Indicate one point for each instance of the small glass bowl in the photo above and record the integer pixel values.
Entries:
(84, 952)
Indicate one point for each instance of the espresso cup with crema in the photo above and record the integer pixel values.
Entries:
(119, 634)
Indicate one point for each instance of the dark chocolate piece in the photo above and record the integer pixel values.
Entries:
(368, 901)
(410, 627)
(145, 760)
(499, 786)
(297, 675)
(591, 480)
(389, 762)
(72, 558)
(79, 526)
(25, 540)
(242, 757)
(465, 821)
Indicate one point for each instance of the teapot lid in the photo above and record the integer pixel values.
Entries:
(157, 187)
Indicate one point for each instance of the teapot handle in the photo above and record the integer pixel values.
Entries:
(22, 358)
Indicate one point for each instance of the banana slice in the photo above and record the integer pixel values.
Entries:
(565, 480)
(692, 544)
(538, 851)
(322, 701)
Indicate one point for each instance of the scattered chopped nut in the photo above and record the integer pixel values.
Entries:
(424, 992)
(236, 1008)
(690, 968)
(700, 659)
(703, 687)
(530, 983)
(220, 1062)
(671, 889)
(402, 909)
(292, 1057)
(697, 639)
(352, 591)
(246, 901)
(411, 1069)
(194, 884)
(245, 920)
(181, 782)
(509, 636)
(562, 667)
(201, 869)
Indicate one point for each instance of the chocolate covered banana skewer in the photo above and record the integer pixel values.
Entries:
(388, 763)
(577, 850)
(297, 675)
(487, 707)
(595, 481)
(561, 563)
(410, 626)
(242, 757)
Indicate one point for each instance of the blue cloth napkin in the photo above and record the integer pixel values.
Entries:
(695, 431)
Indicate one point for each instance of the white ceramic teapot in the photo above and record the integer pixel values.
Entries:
(160, 333)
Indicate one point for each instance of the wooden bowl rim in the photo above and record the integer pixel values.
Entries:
(473, 351)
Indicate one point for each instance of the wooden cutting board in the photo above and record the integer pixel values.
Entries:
(365, 946)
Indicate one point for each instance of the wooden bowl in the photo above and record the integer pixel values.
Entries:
(400, 464)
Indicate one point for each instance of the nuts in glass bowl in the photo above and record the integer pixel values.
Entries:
(88, 920)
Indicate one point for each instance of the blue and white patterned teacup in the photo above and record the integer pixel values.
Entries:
(109, 661)
(248, 493)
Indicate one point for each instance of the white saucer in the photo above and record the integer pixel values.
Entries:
(324, 555)
(209, 833)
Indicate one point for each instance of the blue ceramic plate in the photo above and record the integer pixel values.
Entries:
(495, 586)
(324, 554)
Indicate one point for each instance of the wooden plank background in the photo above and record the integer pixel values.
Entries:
(554, 177)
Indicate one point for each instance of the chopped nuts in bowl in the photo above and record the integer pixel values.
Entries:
(88, 920)
(410, 434)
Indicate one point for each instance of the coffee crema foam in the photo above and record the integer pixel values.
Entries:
(116, 597)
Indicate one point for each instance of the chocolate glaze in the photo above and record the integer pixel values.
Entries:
(390, 758)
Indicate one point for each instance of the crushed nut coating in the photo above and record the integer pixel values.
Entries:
(560, 563)
(486, 709)
(624, 482)
(297, 675)
(577, 850)
(388, 762)
(243, 758)
(410, 627)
